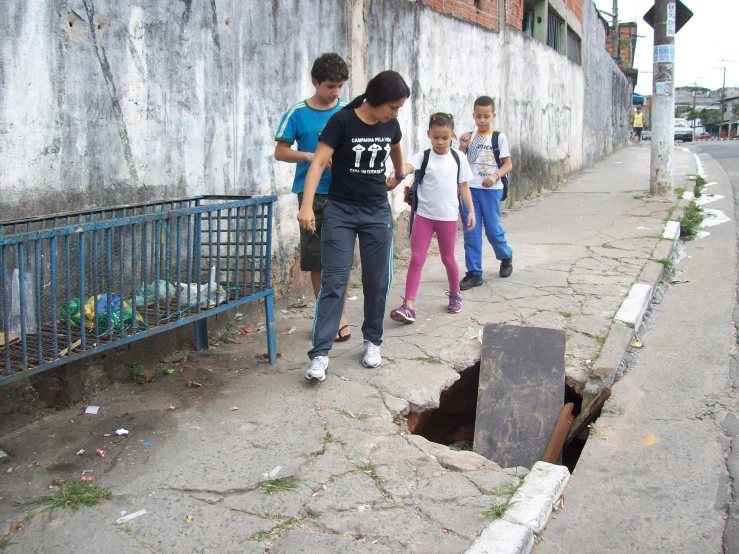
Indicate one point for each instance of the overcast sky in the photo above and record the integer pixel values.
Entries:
(699, 46)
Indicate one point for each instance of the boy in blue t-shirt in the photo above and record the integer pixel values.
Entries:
(302, 124)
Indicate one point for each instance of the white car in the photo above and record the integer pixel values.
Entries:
(683, 130)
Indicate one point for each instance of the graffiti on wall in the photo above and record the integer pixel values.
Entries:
(546, 130)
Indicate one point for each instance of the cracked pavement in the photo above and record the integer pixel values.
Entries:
(362, 483)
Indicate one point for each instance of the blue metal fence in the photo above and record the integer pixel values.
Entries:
(76, 284)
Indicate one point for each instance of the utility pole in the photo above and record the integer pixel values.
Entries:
(615, 33)
(723, 96)
(663, 99)
(695, 86)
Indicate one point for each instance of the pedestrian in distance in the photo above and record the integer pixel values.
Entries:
(358, 139)
(490, 160)
(441, 175)
(303, 124)
(638, 124)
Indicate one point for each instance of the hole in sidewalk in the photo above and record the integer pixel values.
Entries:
(453, 422)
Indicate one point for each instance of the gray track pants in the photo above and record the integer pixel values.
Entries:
(342, 224)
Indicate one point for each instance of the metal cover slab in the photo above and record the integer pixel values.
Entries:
(521, 393)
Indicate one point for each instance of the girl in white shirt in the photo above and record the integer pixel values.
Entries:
(437, 212)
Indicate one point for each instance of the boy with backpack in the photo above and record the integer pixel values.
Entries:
(490, 159)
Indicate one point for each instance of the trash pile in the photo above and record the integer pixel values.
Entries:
(96, 309)
(99, 304)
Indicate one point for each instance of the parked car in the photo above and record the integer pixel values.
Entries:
(704, 136)
(646, 134)
(683, 131)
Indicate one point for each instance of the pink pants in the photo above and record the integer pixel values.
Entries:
(446, 236)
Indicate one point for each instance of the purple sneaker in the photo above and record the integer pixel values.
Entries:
(404, 314)
(455, 303)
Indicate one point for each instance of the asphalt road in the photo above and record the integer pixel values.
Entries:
(727, 154)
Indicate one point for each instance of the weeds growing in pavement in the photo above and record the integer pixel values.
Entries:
(282, 524)
(700, 184)
(283, 484)
(496, 511)
(691, 220)
(328, 438)
(70, 495)
(369, 469)
(665, 262)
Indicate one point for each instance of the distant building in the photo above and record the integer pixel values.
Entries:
(626, 44)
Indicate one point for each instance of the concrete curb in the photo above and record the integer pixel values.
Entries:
(634, 305)
(503, 537)
(528, 513)
(629, 315)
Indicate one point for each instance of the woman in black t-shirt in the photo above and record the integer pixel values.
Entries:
(357, 141)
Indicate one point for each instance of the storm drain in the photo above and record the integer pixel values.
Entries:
(453, 422)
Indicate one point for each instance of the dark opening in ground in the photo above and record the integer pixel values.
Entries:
(453, 422)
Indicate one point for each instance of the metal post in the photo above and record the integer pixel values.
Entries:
(663, 99)
(695, 85)
(615, 33)
(723, 96)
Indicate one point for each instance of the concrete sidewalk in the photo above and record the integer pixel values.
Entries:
(361, 483)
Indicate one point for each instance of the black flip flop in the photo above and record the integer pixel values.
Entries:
(344, 338)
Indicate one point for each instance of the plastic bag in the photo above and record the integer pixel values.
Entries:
(155, 291)
(101, 302)
(29, 306)
(188, 292)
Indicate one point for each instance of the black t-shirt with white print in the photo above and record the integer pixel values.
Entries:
(360, 154)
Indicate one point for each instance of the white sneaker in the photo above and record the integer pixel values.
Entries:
(372, 356)
(317, 369)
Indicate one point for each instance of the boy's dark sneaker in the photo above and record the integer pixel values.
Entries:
(470, 280)
(506, 267)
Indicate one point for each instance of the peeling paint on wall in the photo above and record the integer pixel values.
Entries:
(105, 102)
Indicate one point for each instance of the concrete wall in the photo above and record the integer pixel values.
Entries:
(607, 107)
(105, 102)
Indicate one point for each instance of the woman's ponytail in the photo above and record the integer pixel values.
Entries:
(358, 101)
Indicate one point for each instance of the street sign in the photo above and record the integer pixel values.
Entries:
(681, 18)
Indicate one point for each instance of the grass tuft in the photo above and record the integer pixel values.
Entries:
(282, 524)
(329, 437)
(136, 373)
(601, 338)
(680, 192)
(496, 511)
(70, 495)
(508, 488)
(282, 484)
(691, 220)
(564, 314)
(665, 262)
(700, 184)
(369, 469)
